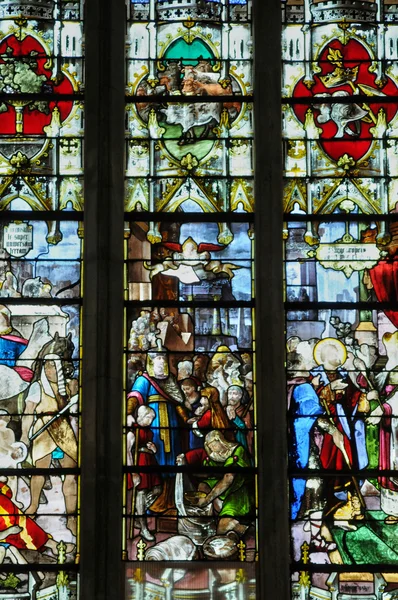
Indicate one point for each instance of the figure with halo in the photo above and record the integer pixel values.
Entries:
(345, 452)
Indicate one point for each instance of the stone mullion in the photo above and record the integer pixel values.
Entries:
(101, 485)
(273, 568)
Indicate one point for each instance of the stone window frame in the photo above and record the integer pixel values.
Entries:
(102, 570)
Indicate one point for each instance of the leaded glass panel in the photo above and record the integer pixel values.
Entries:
(339, 113)
(41, 250)
(189, 409)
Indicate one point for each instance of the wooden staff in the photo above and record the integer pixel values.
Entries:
(248, 407)
(131, 533)
(345, 455)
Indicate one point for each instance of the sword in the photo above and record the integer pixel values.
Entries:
(74, 401)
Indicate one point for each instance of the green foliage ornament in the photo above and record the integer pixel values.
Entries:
(18, 76)
(11, 582)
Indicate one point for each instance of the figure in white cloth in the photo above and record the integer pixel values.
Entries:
(192, 262)
(46, 426)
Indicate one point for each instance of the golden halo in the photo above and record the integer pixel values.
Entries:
(321, 349)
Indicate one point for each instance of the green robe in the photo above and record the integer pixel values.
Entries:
(238, 499)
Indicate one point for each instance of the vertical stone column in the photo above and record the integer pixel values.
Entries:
(101, 438)
(273, 568)
(216, 329)
(227, 324)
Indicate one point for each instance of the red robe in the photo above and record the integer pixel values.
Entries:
(331, 457)
(196, 457)
(216, 420)
(205, 421)
(385, 449)
(32, 536)
(145, 459)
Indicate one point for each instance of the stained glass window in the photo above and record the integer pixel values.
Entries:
(41, 236)
(190, 417)
(340, 99)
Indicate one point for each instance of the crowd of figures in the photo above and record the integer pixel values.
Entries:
(343, 415)
(39, 395)
(195, 411)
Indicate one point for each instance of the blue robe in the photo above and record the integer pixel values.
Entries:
(306, 408)
(11, 347)
(240, 433)
(166, 435)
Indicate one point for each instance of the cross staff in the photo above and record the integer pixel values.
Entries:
(345, 455)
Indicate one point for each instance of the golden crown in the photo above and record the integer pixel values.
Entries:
(340, 76)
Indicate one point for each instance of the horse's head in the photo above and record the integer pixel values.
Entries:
(63, 348)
